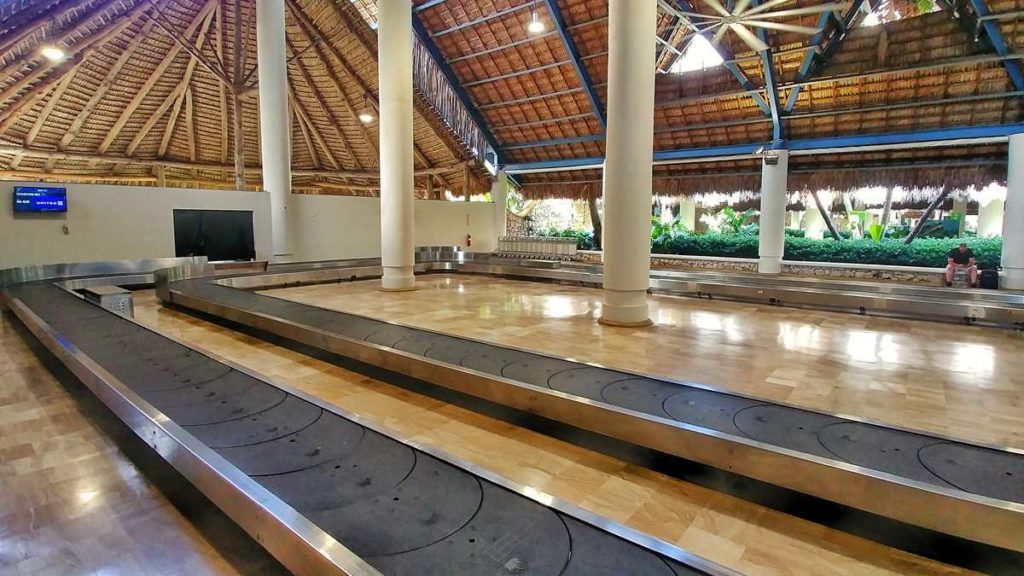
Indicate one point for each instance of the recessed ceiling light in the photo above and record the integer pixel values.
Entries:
(52, 53)
(365, 117)
(535, 26)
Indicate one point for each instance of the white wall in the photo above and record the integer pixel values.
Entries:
(330, 227)
(114, 223)
(127, 223)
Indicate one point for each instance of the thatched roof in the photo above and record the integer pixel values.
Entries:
(149, 91)
(921, 72)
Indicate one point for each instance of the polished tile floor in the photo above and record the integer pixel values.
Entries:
(747, 537)
(966, 382)
(72, 502)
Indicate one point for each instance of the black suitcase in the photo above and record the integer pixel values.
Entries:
(990, 279)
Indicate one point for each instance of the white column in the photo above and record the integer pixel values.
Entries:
(990, 218)
(499, 195)
(627, 168)
(772, 237)
(688, 214)
(275, 134)
(1013, 218)
(394, 49)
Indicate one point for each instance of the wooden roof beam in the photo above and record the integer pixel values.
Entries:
(101, 90)
(177, 96)
(158, 72)
(301, 110)
(222, 93)
(306, 138)
(372, 51)
(325, 109)
(10, 115)
(62, 36)
(57, 155)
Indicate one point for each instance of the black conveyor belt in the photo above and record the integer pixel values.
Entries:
(400, 509)
(936, 461)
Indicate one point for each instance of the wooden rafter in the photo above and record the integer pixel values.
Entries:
(190, 126)
(19, 31)
(44, 115)
(101, 90)
(147, 86)
(196, 51)
(238, 61)
(35, 61)
(165, 142)
(305, 138)
(10, 114)
(222, 92)
(324, 108)
(176, 96)
(301, 111)
(310, 35)
(186, 165)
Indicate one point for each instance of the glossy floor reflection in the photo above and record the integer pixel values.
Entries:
(966, 382)
(72, 502)
(749, 538)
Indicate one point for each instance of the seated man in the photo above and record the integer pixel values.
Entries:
(962, 258)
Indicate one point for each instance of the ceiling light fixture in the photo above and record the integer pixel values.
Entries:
(52, 53)
(535, 26)
(366, 117)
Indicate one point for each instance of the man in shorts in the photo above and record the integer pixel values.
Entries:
(961, 258)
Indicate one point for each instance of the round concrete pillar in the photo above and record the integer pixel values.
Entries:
(394, 49)
(275, 131)
(628, 164)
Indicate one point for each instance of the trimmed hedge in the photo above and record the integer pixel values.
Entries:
(584, 238)
(924, 252)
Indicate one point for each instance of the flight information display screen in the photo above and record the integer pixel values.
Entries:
(40, 199)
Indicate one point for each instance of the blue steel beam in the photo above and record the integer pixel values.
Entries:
(890, 139)
(995, 37)
(424, 37)
(428, 4)
(815, 63)
(577, 62)
(769, 83)
(555, 142)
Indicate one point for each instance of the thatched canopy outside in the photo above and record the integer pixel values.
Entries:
(149, 89)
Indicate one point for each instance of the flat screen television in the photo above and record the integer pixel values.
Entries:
(220, 235)
(39, 199)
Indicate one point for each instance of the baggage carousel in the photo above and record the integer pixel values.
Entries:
(968, 491)
(323, 490)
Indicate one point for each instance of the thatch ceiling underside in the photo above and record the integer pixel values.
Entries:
(150, 87)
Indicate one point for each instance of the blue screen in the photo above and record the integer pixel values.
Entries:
(33, 199)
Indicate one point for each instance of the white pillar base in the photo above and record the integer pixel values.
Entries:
(624, 308)
(769, 265)
(398, 279)
(1012, 279)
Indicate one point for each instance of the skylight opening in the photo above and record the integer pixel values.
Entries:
(698, 55)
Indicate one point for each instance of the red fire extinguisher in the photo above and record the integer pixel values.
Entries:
(469, 240)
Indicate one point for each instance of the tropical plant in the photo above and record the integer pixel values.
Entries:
(732, 221)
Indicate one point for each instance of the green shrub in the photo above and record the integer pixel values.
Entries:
(924, 252)
(584, 238)
(795, 233)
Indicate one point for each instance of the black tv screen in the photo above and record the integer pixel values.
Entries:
(40, 199)
(220, 235)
